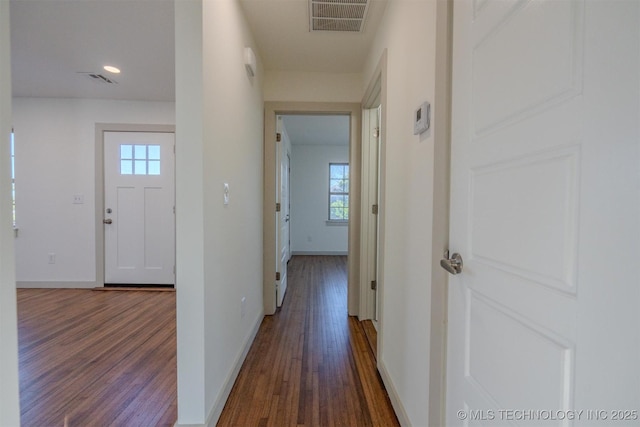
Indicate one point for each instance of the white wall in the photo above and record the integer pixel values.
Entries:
(312, 87)
(219, 112)
(190, 221)
(9, 401)
(310, 233)
(55, 159)
(408, 33)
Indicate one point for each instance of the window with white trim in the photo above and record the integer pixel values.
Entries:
(338, 191)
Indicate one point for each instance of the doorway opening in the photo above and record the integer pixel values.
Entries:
(312, 190)
(371, 265)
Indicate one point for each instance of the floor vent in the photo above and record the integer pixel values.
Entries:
(337, 15)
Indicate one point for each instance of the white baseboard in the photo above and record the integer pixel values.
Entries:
(56, 285)
(327, 253)
(393, 395)
(216, 411)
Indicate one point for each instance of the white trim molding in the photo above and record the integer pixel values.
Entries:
(221, 400)
(320, 253)
(57, 285)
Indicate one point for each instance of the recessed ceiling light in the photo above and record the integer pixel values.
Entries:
(112, 69)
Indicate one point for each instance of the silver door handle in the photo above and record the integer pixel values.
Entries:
(454, 264)
(107, 221)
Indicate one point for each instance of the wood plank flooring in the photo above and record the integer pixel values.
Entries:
(372, 335)
(109, 359)
(311, 364)
(97, 358)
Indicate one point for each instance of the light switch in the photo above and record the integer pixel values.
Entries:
(226, 193)
(421, 119)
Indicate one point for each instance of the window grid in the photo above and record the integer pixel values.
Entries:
(338, 191)
(139, 159)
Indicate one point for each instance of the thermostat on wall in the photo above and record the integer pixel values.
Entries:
(421, 119)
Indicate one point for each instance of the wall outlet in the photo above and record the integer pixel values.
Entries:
(52, 258)
(243, 307)
(78, 199)
(309, 238)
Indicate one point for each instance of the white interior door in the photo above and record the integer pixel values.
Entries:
(288, 208)
(369, 215)
(545, 211)
(139, 213)
(282, 217)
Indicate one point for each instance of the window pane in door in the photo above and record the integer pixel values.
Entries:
(154, 152)
(126, 167)
(154, 167)
(140, 167)
(140, 151)
(126, 152)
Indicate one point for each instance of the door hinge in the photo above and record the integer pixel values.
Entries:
(277, 207)
(376, 132)
(174, 209)
(277, 275)
(278, 137)
(374, 285)
(174, 270)
(374, 209)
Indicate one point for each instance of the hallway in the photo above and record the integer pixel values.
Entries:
(310, 363)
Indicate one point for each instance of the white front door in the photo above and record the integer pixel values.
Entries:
(545, 211)
(139, 213)
(282, 217)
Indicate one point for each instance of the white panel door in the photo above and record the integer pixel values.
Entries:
(369, 215)
(287, 188)
(139, 214)
(282, 217)
(545, 211)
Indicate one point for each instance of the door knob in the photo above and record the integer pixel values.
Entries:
(454, 264)
(107, 221)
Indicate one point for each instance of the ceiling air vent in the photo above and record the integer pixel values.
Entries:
(337, 15)
(99, 78)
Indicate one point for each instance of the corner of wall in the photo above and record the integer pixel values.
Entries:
(216, 411)
(9, 391)
(396, 402)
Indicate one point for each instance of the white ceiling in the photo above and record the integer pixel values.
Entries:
(281, 30)
(317, 129)
(53, 40)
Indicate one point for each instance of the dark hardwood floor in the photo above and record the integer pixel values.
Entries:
(311, 364)
(372, 335)
(97, 358)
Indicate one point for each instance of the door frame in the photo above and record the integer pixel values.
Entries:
(271, 110)
(441, 199)
(101, 128)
